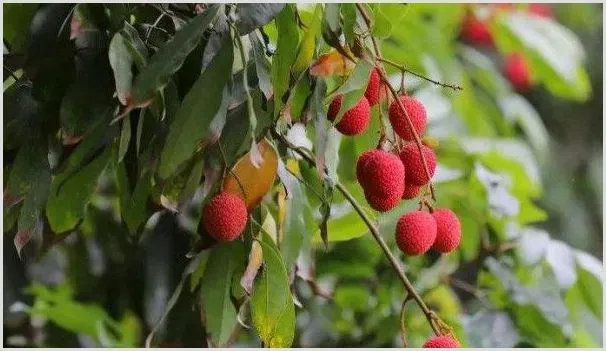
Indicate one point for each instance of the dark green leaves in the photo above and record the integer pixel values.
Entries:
(221, 316)
(170, 57)
(191, 124)
(272, 307)
(253, 16)
(285, 55)
(121, 62)
(71, 193)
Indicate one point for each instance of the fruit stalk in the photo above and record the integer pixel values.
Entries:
(373, 230)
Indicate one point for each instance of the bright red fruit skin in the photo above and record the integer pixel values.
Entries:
(372, 90)
(381, 175)
(441, 342)
(413, 163)
(355, 121)
(476, 31)
(541, 10)
(225, 217)
(517, 72)
(416, 112)
(411, 191)
(449, 230)
(416, 232)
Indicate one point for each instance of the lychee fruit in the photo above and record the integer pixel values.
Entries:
(475, 31)
(416, 112)
(416, 232)
(541, 10)
(411, 191)
(355, 120)
(381, 175)
(441, 342)
(372, 92)
(449, 230)
(517, 72)
(225, 217)
(413, 163)
(381, 203)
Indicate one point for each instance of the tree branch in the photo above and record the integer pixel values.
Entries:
(404, 69)
(373, 230)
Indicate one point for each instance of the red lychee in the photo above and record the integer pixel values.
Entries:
(442, 342)
(541, 10)
(381, 203)
(413, 163)
(381, 175)
(416, 112)
(355, 120)
(411, 191)
(449, 230)
(372, 92)
(416, 232)
(225, 217)
(517, 71)
(475, 31)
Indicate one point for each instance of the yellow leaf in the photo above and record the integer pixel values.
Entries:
(252, 183)
(332, 63)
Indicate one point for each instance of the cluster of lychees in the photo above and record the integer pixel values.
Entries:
(388, 177)
(476, 31)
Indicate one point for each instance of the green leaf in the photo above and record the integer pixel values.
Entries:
(191, 124)
(350, 17)
(307, 47)
(262, 65)
(135, 46)
(221, 317)
(135, 211)
(169, 58)
(272, 307)
(121, 61)
(17, 18)
(381, 27)
(71, 193)
(491, 329)
(285, 55)
(331, 24)
(353, 89)
(253, 16)
(591, 291)
(555, 55)
(21, 113)
(125, 136)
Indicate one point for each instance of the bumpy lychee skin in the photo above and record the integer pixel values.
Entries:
(225, 217)
(355, 121)
(382, 203)
(416, 112)
(372, 89)
(441, 342)
(416, 232)
(449, 230)
(475, 31)
(413, 163)
(381, 174)
(411, 191)
(517, 72)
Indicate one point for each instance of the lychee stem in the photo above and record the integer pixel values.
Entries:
(404, 69)
(309, 158)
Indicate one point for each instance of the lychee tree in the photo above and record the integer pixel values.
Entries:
(289, 175)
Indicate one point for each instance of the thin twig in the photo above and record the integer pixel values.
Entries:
(373, 230)
(402, 326)
(401, 106)
(404, 69)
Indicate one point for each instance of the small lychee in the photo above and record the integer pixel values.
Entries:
(355, 121)
(411, 191)
(381, 174)
(416, 112)
(442, 342)
(372, 92)
(416, 232)
(475, 31)
(517, 72)
(413, 163)
(225, 217)
(449, 230)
